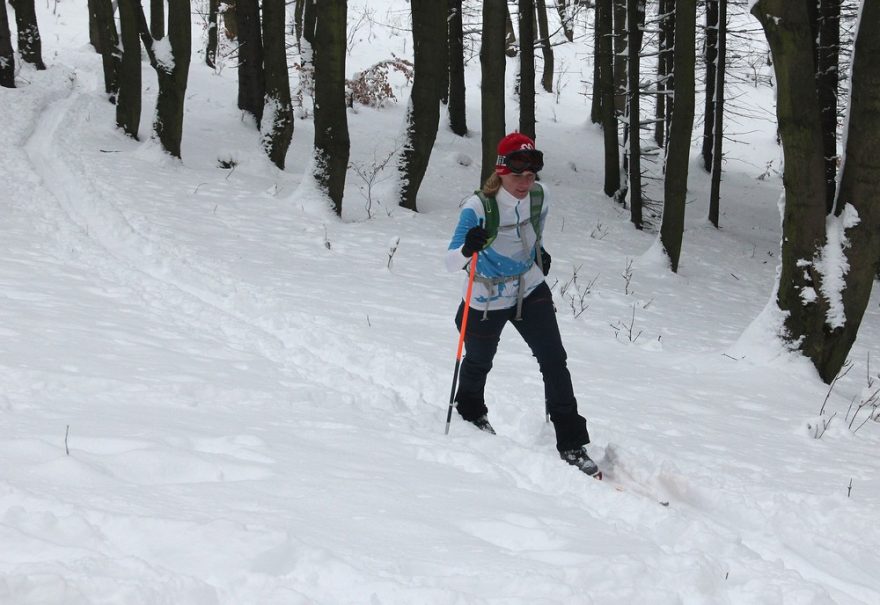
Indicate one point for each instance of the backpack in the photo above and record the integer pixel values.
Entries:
(490, 209)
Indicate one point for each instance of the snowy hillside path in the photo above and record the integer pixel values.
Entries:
(257, 418)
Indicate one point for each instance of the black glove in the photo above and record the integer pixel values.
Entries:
(474, 241)
(545, 261)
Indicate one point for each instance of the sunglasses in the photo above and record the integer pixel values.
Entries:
(523, 160)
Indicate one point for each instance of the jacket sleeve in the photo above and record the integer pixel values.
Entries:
(471, 213)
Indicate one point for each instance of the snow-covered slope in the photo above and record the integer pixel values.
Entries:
(214, 391)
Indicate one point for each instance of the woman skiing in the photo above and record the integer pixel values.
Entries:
(503, 224)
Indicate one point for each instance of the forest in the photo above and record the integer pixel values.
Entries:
(652, 61)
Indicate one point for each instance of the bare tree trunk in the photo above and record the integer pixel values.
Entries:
(332, 144)
(30, 46)
(251, 79)
(546, 47)
(596, 102)
(510, 34)
(567, 26)
(827, 78)
(128, 104)
(859, 193)
(787, 27)
(718, 126)
(680, 130)
(277, 126)
(662, 73)
(620, 56)
(108, 42)
(527, 68)
(635, 14)
(492, 64)
(93, 27)
(456, 107)
(211, 47)
(173, 79)
(157, 19)
(605, 89)
(7, 57)
(710, 55)
(423, 118)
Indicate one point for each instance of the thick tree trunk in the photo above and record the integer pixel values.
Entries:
(93, 27)
(108, 41)
(332, 144)
(527, 67)
(310, 16)
(635, 15)
(168, 125)
(456, 106)
(787, 27)
(7, 57)
(710, 56)
(423, 118)
(211, 46)
(605, 89)
(546, 47)
(827, 78)
(859, 192)
(718, 116)
(277, 127)
(128, 104)
(680, 130)
(30, 47)
(157, 19)
(492, 64)
(251, 79)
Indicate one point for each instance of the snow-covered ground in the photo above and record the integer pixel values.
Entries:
(213, 391)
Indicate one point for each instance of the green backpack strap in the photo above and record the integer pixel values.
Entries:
(490, 209)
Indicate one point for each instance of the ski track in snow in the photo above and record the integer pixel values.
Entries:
(179, 511)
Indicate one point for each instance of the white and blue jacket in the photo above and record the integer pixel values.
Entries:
(509, 259)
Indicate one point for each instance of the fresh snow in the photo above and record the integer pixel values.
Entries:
(216, 392)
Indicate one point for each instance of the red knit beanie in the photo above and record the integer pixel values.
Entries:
(515, 141)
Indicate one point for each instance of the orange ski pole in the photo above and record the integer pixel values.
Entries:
(464, 321)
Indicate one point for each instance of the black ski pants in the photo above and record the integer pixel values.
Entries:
(539, 329)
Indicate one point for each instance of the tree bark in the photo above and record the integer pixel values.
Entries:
(492, 65)
(605, 60)
(457, 96)
(527, 67)
(827, 78)
(128, 104)
(30, 47)
(718, 115)
(680, 130)
(251, 79)
(620, 55)
(787, 27)
(567, 28)
(7, 57)
(332, 144)
(710, 56)
(635, 14)
(173, 78)
(277, 127)
(859, 192)
(423, 117)
(211, 46)
(108, 42)
(546, 47)
(157, 19)
(662, 71)
(93, 27)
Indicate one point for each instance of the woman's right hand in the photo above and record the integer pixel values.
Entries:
(475, 240)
